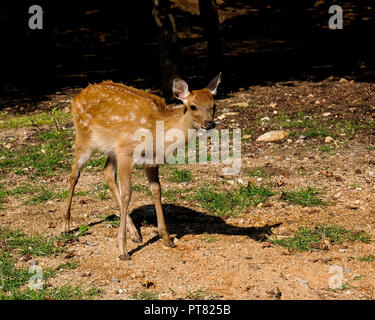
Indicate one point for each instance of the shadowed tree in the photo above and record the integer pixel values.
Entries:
(210, 21)
(167, 38)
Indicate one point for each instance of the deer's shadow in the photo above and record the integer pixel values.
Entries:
(182, 221)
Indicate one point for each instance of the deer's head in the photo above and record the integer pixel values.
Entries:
(199, 104)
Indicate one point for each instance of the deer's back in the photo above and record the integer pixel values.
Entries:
(107, 113)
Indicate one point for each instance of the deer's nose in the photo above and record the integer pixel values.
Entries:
(209, 125)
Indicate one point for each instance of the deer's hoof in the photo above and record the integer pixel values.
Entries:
(124, 257)
(136, 239)
(170, 244)
(64, 229)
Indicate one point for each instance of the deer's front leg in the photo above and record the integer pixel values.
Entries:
(124, 171)
(154, 184)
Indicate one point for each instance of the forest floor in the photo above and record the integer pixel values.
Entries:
(297, 222)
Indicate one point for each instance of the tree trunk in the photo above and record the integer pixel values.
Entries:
(167, 38)
(210, 21)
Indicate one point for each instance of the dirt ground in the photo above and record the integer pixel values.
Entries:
(229, 257)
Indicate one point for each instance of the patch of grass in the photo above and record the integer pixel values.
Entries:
(145, 295)
(35, 245)
(181, 175)
(14, 280)
(368, 258)
(48, 158)
(208, 239)
(83, 230)
(325, 148)
(301, 120)
(307, 239)
(65, 292)
(223, 203)
(45, 194)
(39, 194)
(355, 185)
(198, 294)
(101, 189)
(38, 119)
(96, 162)
(257, 172)
(349, 127)
(317, 132)
(306, 197)
(140, 188)
(68, 265)
(171, 195)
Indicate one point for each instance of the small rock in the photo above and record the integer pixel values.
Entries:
(303, 282)
(230, 181)
(273, 105)
(273, 136)
(347, 270)
(243, 104)
(230, 114)
(338, 195)
(326, 114)
(120, 291)
(342, 250)
(246, 136)
(329, 140)
(115, 280)
(265, 119)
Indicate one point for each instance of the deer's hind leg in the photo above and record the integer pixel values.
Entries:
(109, 173)
(82, 155)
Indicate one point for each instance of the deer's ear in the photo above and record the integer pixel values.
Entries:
(214, 83)
(180, 89)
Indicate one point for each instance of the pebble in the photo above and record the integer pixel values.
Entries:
(338, 195)
(273, 136)
(347, 270)
(342, 250)
(329, 140)
(301, 281)
(115, 280)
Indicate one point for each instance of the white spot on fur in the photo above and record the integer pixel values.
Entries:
(143, 120)
(115, 118)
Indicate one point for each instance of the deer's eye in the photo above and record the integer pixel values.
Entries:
(193, 108)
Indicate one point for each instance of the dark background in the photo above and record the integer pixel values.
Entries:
(263, 41)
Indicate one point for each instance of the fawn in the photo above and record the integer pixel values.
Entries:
(107, 114)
